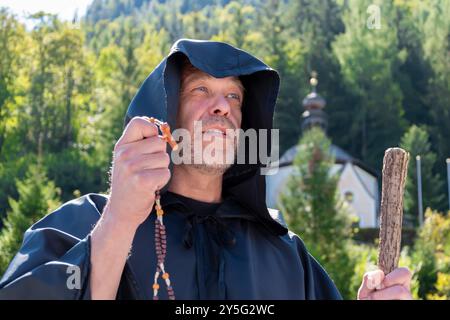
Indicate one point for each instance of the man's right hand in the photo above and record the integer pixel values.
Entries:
(140, 167)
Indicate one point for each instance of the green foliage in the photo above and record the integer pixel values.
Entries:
(110, 9)
(363, 259)
(368, 59)
(432, 254)
(416, 142)
(37, 197)
(235, 19)
(435, 31)
(9, 173)
(58, 89)
(11, 43)
(442, 287)
(313, 209)
(73, 171)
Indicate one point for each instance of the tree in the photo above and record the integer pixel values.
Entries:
(235, 20)
(12, 36)
(414, 73)
(368, 59)
(314, 210)
(283, 50)
(435, 31)
(171, 19)
(37, 197)
(59, 86)
(315, 24)
(72, 83)
(197, 24)
(431, 252)
(416, 142)
(36, 115)
(118, 74)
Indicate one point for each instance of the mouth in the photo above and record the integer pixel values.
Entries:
(219, 132)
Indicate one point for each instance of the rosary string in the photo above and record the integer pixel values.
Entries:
(160, 228)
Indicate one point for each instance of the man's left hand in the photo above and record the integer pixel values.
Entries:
(393, 286)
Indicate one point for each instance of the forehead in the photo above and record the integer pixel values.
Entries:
(198, 75)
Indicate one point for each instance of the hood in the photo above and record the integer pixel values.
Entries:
(159, 94)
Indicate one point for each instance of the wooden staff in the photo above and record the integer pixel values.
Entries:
(395, 169)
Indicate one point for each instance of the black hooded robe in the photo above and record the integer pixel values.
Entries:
(264, 261)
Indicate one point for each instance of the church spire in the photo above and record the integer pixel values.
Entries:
(314, 104)
(313, 81)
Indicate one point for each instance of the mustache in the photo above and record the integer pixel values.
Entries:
(217, 120)
(205, 123)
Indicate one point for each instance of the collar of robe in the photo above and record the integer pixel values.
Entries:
(215, 224)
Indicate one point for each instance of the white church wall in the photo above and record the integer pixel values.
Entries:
(369, 180)
(363, 203)
(274, 185)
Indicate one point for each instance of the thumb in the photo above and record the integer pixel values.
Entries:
(372, 280)
(137, 129)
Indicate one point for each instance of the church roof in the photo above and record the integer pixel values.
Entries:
(339, 154)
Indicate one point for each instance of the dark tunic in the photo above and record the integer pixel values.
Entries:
(222, 255)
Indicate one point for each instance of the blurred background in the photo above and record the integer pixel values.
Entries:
(357, 77)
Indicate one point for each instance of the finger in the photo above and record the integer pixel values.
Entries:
(149, 145)
(149, 161)
(399, 276)
(153, 178)
(137, 129)
(371, 281)
(396, 292)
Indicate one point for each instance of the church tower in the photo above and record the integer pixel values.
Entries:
(313, 103)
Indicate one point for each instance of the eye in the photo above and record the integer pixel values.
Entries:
(204, 89)
(234, 96)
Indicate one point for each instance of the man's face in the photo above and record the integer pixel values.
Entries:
(217, 103)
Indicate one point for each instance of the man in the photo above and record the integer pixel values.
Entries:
(222, 240)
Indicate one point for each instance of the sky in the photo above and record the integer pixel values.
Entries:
(65, 9)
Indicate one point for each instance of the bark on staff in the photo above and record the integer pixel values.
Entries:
(395, 167)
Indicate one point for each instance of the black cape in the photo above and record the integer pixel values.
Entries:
(263, 260)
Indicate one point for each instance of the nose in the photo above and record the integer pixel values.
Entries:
(220, 107)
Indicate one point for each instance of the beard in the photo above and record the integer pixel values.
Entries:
(215, 163)
(208, 153)
(212, 169)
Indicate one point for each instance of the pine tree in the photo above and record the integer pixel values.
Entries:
(314, 210)
(37, 197)
(416, 142)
